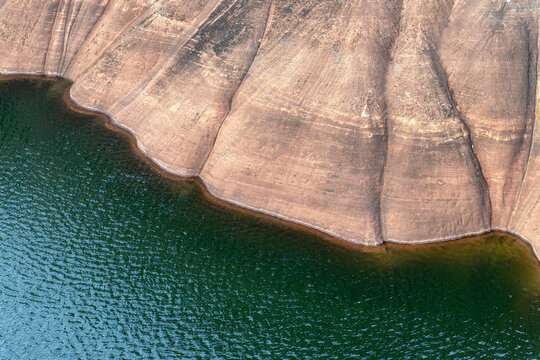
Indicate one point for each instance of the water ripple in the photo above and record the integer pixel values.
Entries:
(100, 258)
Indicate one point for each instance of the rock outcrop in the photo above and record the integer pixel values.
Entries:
(396, 120)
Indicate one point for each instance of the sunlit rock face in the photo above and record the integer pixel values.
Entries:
(373, 120)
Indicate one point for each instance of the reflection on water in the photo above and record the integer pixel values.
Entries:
(102, 258)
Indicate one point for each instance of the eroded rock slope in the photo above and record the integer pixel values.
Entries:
(392, 120)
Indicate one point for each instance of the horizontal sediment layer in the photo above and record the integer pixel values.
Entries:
(370, 121)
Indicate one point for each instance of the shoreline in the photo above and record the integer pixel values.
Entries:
(320, 235)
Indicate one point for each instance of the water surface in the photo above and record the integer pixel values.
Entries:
(102, 258)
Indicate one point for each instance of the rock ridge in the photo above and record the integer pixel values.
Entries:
(372, 121)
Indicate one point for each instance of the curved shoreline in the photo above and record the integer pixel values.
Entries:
(266, 216)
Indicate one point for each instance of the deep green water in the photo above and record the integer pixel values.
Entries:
(101, 258)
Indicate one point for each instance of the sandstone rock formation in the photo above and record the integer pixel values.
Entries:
(371, 120)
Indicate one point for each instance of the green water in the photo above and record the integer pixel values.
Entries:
(101, 258)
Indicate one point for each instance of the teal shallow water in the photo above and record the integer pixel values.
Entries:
(102, 258)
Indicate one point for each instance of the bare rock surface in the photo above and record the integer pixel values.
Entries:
(397, 120)
(430, 166)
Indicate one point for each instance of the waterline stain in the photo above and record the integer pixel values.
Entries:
(101, 257)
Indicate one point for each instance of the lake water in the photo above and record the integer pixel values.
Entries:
(102, 258)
